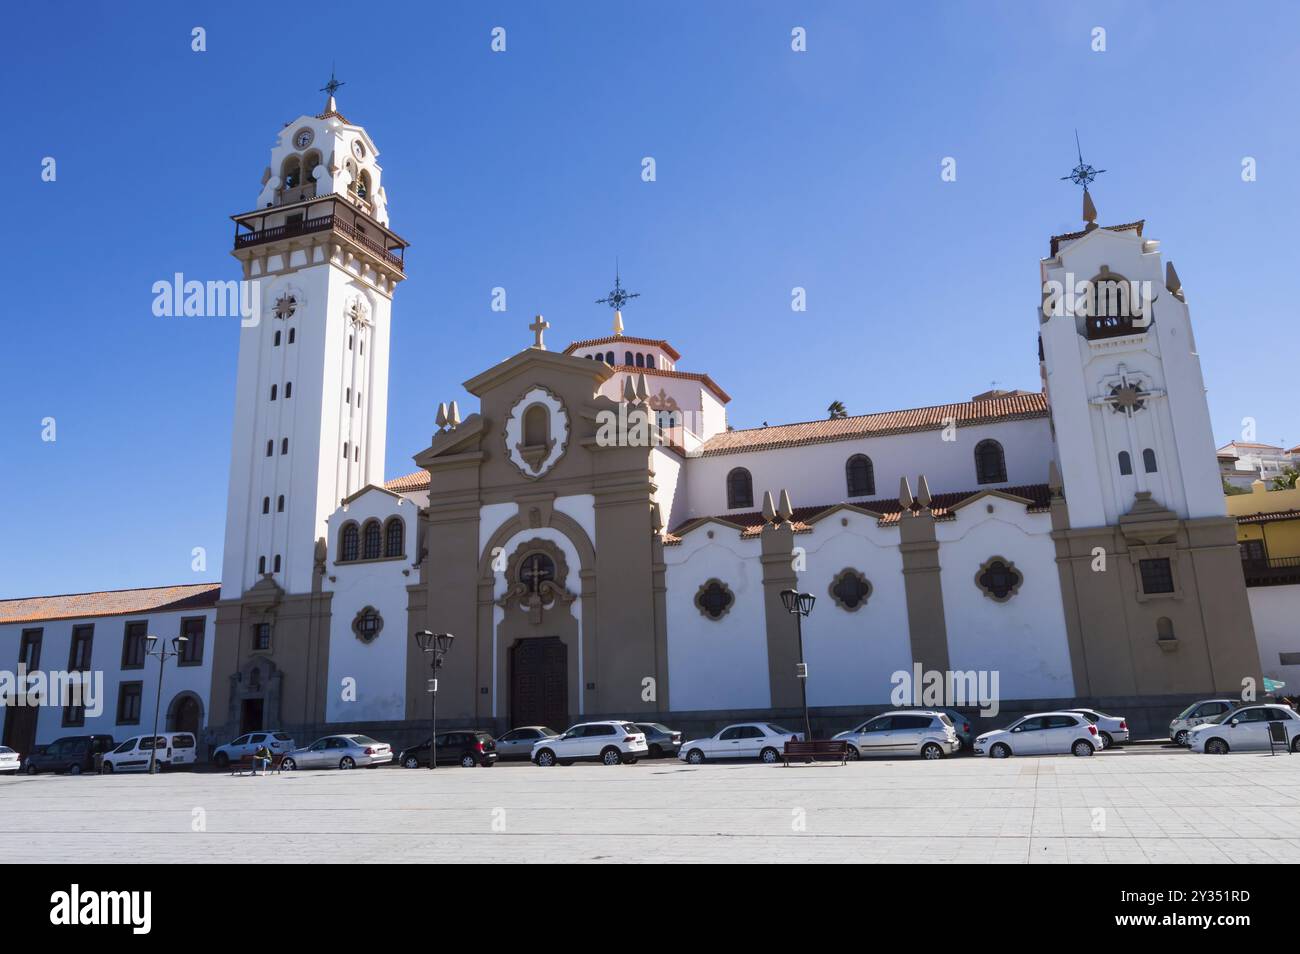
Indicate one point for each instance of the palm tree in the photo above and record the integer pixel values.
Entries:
(837, 410)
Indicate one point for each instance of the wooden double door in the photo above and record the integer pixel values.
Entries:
(539, 683)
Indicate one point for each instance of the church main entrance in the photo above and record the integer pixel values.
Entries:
(539, 682)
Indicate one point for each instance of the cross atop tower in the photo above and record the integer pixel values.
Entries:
(331, 88)
(538, 326)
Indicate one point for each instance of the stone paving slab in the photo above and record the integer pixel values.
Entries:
(1128, 806)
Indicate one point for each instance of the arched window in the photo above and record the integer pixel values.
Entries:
(627, 358)
(345, 450)
(1110, 304)
(261, 564)
(1165, 632)
(288, 389)
(291, 335)
(363, 186)
(270, 448)
(284, 445)
(349, 543)
(1125, 464)
(266, 505)
(277, 339)
(609, 358)
(1149, 460)
(537, 426)
(536, 569)
(372, 541)
(860, 476)
(291, 173)
(394, 531)
(276, 567)
(990, 463)
(272, 392)
(740, 489)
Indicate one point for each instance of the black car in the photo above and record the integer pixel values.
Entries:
(73, 754)
(464, 747)
(661, 740)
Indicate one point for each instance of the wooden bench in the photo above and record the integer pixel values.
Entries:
(811, 751)
(245, 764)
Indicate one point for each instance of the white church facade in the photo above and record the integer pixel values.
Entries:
(602, 544)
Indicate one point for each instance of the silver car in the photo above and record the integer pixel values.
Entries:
(1113, 729)
(518, 743)
(341, 752)
(9, 760)
(903, 733)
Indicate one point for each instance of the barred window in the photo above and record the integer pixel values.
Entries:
(372, 540)
(394, 533)
(740, 489)
(1157, 575)
(990, 463)
(860, 476)
(349, 543)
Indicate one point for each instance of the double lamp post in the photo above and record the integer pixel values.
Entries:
(436, 645)
(178, 646)
(800, 604)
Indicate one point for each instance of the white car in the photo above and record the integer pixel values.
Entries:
(610, 742)
(764, 741)
(1042, 733)
(341, 752)
(1113, 729)
(1245, 730)
(9, 759)
(927, 733)
(1198, 713)
(280, 743)
(137, 754)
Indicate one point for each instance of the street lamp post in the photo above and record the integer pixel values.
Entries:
(801, 605)
(163, 655)
(437, 646)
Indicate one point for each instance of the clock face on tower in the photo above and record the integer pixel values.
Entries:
(303, 138)
(359, 149)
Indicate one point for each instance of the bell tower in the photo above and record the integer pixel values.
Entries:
(312, 385)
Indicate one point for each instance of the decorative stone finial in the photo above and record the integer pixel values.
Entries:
(618, 323)
(453, 416)
(1054, 483)
(629, 389)
(1173, 282)
(538, 326)
(905, 494)
(784, 510)
(442, 415)
(923, 492)
(769, 508)
(1089, 211)
(642, 388)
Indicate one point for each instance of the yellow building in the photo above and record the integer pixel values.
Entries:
(1268, 532)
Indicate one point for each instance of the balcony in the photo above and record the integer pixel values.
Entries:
(324, 223)
(298, 193)
(1281, 571)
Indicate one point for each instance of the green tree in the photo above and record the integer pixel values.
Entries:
(1286, 480)
(837, 410)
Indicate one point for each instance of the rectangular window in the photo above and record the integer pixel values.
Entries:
(1157, 576)
(74, 716)
(29, 650)
(133, 644)
(129, 696)
(83, 638)
(192, 649)
(262, 636)
(1252, 551)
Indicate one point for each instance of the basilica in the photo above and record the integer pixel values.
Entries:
(601, 543)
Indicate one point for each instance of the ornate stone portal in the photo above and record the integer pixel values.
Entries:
(537, 573)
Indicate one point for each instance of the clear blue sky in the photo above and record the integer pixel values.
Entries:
(522, 169)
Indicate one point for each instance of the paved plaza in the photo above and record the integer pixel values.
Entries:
(1135, 805)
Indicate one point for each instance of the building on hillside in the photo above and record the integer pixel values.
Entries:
(1243, 462)
(1268, 533)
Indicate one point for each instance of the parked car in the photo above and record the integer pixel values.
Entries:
(660, 740)
(339, 751)
(764, 741)
(280, 743)
(1245, 730)
(466, 748)
(73, 754)
(608, 742)
(1113, 729)
(1042, 733)
(927, 733)
(10, 761)
(961, 724)
(518, 743)
(174, 750)
(1198, 713)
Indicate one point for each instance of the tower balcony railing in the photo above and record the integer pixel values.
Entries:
(321, 223)
(1278, 571)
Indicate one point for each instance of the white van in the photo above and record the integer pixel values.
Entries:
(174, 750)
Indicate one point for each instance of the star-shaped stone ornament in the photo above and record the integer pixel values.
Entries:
(1126, 397)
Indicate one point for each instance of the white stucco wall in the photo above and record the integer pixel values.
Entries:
(716, 664)
(1023, 639)
(106, 659)
(1276, 612)
(367, 681)
(851, 655)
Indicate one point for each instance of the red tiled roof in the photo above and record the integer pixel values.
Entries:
(1070, 236)
(152, 599)
(652, 342)
(1013, 407)
(1272, 517)
(941, 505)
(704, 379)
(408, 482)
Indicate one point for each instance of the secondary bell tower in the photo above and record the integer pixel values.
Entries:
(312, 388)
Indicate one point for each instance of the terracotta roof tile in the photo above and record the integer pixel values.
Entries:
(1272, 517)
(110, 603)
(652, 342)
(751, 524)
(1013, 407)
(704, 379)
(408, 482)
(1070, 236)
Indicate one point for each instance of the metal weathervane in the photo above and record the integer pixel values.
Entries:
(618, 297)
(1082, 174)
(332, 86)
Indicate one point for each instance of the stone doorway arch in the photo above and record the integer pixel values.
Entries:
(185, 713)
